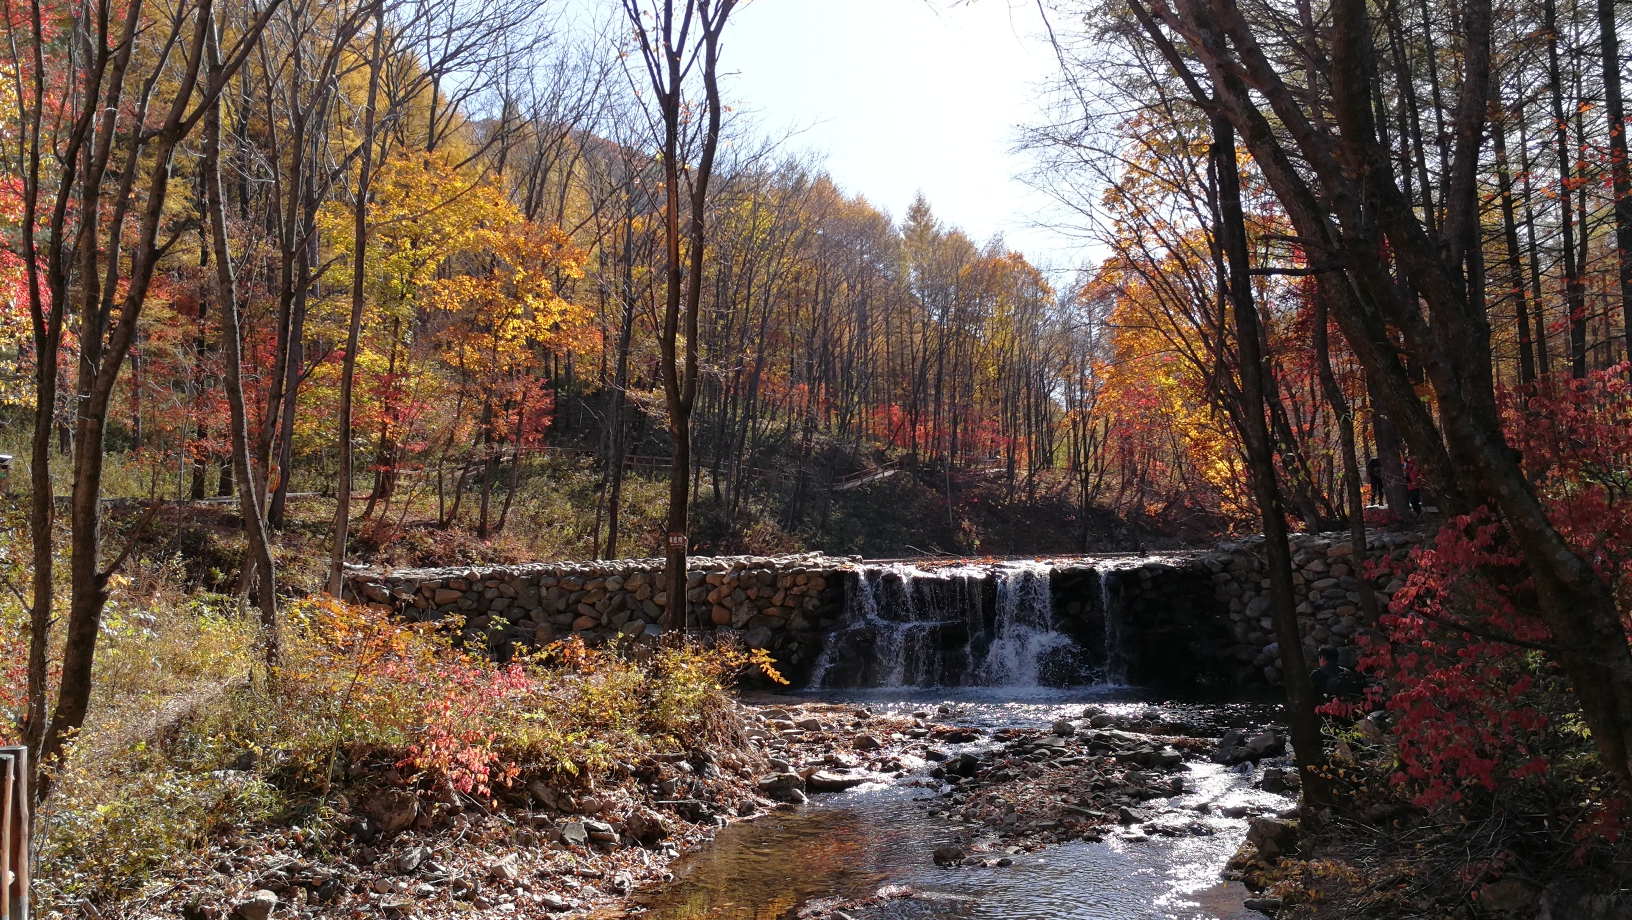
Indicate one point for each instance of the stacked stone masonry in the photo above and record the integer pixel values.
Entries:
(1191, 615)
(783, 603)
(1325, 575)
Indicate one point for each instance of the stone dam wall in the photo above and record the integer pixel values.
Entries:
(780, 603)
(1199, 617)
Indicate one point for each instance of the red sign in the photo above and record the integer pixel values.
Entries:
(677, 540)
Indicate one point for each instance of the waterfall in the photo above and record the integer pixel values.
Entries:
(904, 626)
(967, 625)
(1116, 661)
(1025, 634)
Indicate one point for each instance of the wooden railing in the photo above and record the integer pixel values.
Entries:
(14, 837)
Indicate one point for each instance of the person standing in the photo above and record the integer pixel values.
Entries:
(1374, 472)
(1413, 487)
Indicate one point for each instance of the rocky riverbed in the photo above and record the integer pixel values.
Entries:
(989, 791)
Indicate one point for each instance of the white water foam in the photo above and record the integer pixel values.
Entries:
(1025, 630)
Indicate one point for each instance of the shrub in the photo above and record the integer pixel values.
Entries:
(1478, 705)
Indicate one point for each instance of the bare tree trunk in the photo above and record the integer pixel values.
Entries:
(683, 281)
(348, 370)
(1620, 170)
(249, 501)
(1255, 436)
(1351, 463)
(1515, 269)
(1575, 294)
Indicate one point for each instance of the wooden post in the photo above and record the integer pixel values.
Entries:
(14, 838)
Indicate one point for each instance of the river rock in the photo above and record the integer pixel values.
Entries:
(1064, 728)
(947, 856)
(503, 869)
(866, 743)
(258, 907)
(646, 826)
(574, 833)
(1277, 779)
(1271, 836)
(1265, 742)
(1267, 906)
(784, 787)
(824, 781)
(390, 811)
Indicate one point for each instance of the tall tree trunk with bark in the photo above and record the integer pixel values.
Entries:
(1620, 170)
(226, 291)
(1255, 436)
(670, 50)
(348, 369)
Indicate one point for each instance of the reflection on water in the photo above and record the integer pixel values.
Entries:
(849, 845)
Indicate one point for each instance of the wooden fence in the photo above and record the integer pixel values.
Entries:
(14, 838)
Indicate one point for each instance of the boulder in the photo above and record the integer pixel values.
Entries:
(824, 781)
(1513, 897)
(782, 786)
(867, 743)
(391, 811)
(259, 906)
(947, 856)
(645, 826)
(1272, 836)
(410, 859)
(1064, 728)
(503, 869)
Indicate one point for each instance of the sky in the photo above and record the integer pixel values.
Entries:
(898, 96)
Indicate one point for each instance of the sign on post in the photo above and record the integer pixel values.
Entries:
(14, 832)
(677, 541)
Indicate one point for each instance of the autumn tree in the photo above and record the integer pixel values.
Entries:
(679, 48)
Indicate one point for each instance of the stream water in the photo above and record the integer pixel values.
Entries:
(850, 845)
(979, 644)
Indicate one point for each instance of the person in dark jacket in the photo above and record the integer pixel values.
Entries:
(1333, 681)
(1374, 472)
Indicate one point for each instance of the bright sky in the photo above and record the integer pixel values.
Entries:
(906, 95)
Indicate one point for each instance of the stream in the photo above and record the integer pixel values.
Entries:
(880, 835)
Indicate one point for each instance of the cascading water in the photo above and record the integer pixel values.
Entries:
(1116, 662)
(904, 626)
(1025, 635)
(967, 625)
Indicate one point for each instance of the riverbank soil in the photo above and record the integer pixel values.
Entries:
(389, 843)
(396, 845)
(1545, 849)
